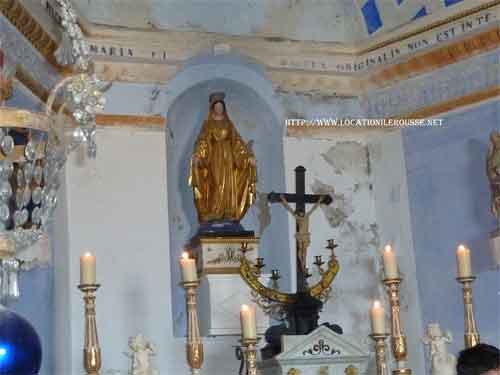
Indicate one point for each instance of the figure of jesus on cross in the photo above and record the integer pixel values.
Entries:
(302, 234)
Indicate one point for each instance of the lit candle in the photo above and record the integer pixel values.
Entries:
(188, 267)
(463, 262)
(87, 269)
(390, 263)
(248, 326)
(377, 315)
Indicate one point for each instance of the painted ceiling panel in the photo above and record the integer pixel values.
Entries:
(320, 20)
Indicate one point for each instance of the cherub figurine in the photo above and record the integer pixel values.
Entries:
(493, 172)
(141, 353)
(443, 363)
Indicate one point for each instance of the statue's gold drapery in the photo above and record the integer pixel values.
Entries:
(222, 174)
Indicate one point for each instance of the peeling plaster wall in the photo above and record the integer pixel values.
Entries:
(341, 167)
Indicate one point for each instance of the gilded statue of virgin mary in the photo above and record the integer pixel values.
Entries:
(223, 171)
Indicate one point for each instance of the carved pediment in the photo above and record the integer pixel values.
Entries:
(323, 344)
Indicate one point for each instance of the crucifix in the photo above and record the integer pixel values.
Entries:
(302, 234)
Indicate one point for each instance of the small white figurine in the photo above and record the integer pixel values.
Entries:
(141, 353)
(443, 363)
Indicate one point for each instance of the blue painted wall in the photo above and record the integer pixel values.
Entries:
(449, 201)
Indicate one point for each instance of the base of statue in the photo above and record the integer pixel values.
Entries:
(223, 228)
(222, 254)
(495, 247)
(320, 352)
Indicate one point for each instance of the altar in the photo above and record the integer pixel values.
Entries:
(322, 352)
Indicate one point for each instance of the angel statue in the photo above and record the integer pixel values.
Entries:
(442, 362)
(493, 172)
(141, 353)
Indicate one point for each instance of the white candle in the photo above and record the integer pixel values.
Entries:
(464, 266)
(248, 326)
(390, 263)
(377, 315)
(188, 267)
(87, 269)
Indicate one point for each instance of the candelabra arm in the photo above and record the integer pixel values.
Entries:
(91, 350)
(326, 280)
(248, 274)
(471, 334)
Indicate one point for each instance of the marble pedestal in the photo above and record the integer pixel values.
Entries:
(222, 290)
(219, 302)
(322, 352)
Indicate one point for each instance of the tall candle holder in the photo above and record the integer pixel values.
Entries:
(91, 349)
(380, 357)
(194, 345)
(250, 353)
(398, 339)
(471, 335)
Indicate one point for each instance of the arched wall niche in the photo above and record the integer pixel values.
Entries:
(258, 116)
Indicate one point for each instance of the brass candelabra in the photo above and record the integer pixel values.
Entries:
(471, 335)
(269, 298)
(194, 345)
(380, 357)
(91, 350)
(250, 354)
(398, 339)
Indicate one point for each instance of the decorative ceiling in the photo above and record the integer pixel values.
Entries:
(317, 20)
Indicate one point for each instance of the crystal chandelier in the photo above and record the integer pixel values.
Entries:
(34, 147)
(33, 151)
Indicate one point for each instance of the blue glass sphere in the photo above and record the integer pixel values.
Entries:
(20, 347)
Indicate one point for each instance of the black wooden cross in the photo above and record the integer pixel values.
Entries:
(300, 198)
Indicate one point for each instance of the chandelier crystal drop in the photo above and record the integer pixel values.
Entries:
(34, 146)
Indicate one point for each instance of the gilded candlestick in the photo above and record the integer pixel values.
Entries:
(250, 353)
(380, 357)
(194, 345)
(91, 350)
(471, 335)
(398, 339)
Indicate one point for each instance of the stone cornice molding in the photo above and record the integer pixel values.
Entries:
(331, 68)
(153, 56)
(30, 27)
